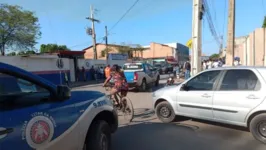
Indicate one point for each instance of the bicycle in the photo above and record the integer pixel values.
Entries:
(124, 105)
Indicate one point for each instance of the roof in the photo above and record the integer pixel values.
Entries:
(113, 45)
(71, 52)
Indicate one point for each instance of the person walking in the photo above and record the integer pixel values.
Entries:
(92, 73)
(83, 73)
(187, 70)
(77, 74)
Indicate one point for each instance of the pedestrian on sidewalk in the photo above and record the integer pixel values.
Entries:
(92, 73)
(101, 72)
(77, 74)
(187, 70)
(84, 73)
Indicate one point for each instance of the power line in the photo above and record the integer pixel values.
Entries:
(224, 17)
(124, 15)
(210, 22)
(215, 16)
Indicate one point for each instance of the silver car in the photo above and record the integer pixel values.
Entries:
(230, 95)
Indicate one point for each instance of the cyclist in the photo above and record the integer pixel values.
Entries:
(120, 83)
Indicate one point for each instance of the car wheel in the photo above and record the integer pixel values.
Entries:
(257, 127)
(165, 112)
(157, 81)
(143, 85)
(99, 137)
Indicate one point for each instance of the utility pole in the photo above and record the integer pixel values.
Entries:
(93, 35)
(196, 36)
(106, 44)
(221, 46)
(230, 52)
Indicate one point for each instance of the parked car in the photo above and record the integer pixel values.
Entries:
(230, 95)
(167, 68)
(141, 75)
(159, 68)
(36, 114)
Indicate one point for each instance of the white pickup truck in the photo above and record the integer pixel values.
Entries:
(141, 75)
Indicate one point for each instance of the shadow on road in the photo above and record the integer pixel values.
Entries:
(152, 136)
(160, 136)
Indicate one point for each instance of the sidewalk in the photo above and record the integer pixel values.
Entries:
(82, 83)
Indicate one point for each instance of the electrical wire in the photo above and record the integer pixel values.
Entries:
(210, 22)
(224, 20)
(124, 15)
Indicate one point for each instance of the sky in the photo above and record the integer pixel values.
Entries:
(162, 21)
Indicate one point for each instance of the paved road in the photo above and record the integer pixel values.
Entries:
(148, 133)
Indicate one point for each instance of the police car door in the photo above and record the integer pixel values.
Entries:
(148, 73)
(29, 119)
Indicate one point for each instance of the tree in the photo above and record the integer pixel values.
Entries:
(214, 56)
(12, 54)
(103, 52)
(264, 23)
(124, 49)
(52, 48)
(26, 52)
(19, 29)
(140, 49)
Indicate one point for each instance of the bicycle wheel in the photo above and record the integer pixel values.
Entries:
(128, 110)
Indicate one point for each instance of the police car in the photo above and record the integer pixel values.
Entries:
(141, 75)
(36, 114)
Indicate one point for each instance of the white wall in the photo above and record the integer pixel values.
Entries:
(35, 63)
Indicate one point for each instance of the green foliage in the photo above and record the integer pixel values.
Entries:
(19, 29)
(12, 54)
(214, 56)
(26, 52)
(103, 52)
(264, 23)
(52, 48)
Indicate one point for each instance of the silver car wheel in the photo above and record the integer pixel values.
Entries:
(262, 128)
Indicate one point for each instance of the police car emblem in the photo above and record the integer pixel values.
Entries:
(39, 131)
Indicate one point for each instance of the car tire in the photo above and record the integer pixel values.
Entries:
(157, 81)
(165, 112)
(143, 86)
(99, 136)
(257, 127)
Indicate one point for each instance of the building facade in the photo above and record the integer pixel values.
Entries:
(251, 49)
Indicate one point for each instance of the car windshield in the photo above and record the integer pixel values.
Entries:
(132, 67)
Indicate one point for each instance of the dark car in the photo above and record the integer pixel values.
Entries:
(170, 68)
(158, 67)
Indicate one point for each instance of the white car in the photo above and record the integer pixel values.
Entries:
(36, 114)
(230, 95)
(141, 75)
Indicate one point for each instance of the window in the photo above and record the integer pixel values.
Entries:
(203, 81)
(10, 85)
(240, 80)
(150, 67)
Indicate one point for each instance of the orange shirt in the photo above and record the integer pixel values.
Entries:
(107, 71)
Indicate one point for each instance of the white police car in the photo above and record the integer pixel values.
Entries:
(36, 114)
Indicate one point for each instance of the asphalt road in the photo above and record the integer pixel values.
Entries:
(146, 132)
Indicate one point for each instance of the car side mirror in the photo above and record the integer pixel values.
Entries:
(63, 92)
(184, 87)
